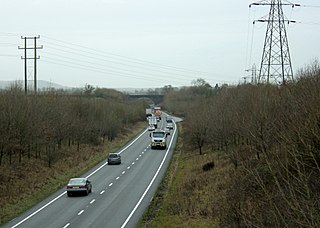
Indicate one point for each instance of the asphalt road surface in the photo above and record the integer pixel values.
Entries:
(120, 193)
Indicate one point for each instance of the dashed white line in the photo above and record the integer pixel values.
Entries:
(137, 159)
(92, 201)
(59, 196)
(102, 192)
(117, 178)
(150, 184)
(128, 167)
(110, 184)
(132, 163)
(140, 156)
(123, 172)
(80, 212)
(68, 224)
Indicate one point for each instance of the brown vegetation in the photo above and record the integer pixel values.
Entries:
(265, 144)
(48, 137)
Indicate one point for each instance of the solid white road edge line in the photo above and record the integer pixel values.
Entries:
(151, 182)
(59, 196)
(118, 153)
(37, 211)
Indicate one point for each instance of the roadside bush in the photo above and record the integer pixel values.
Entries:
(271, 135)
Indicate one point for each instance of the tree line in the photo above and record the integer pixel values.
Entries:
(40, 126)
(271, 135)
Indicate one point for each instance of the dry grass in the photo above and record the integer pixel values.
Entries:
(192, 197)
(25, 184)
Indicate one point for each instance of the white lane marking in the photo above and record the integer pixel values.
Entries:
(59, 196)
(80, 212)
(142, 152)
(117, 178)
(128, 167)
(133, 141)
(92, 201)
(68, 224)
(140, 155)
(102, 192)
(137, 159)
(118, 153)
(150, 184)
(37, 211)
(123, 172)
(110, 184)
(103, 165)
(132, 163)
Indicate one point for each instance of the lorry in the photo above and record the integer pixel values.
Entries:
(148, 112)
(157, 112)
(153, 121)
(158, 139)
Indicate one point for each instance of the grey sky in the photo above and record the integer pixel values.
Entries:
(146, 43)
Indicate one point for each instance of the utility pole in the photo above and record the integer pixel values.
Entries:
(25, 58)
(276, 62)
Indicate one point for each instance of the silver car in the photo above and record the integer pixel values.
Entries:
(79, 185)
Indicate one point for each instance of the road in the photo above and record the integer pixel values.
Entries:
(120, 194)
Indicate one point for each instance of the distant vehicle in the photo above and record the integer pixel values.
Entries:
(114, 159)
(158, 139)
(157, 112)
(153, 121)
(148, 112)
(151, 128)
(167, 130)
(170, 125)
(79, 185)
(168, 118)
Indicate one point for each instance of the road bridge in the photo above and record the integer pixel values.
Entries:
(154, 98)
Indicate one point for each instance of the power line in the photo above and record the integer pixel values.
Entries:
(149, 71)
(102, 71)
(121, 57)
(146, 69)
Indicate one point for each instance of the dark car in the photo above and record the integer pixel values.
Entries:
(79, 185)
(114, 159)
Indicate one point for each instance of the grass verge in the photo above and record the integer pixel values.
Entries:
(190, 196)
(31, 181)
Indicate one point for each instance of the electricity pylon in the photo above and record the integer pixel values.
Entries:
(276, 62)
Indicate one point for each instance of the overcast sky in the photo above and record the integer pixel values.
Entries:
(146, 43)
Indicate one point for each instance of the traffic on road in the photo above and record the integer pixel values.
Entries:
(118, 194)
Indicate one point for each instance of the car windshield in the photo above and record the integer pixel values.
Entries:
(113, 155)
(158, 134)
(77, 181)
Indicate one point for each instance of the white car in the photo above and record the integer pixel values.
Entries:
(170, 125)
(151, 128)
